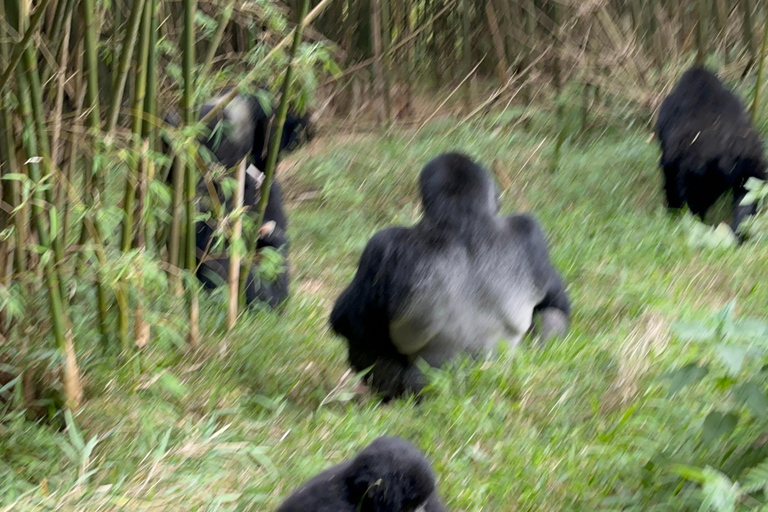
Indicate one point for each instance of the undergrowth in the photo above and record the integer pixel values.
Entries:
(585, 423)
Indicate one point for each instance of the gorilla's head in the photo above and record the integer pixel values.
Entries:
(390, 474)
(298, 130)
(455, 189)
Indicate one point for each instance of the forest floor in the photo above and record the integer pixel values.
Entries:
(242, 421)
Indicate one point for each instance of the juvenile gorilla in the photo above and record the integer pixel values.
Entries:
(390, 475)
(213, 266)
(244, 129)
(460, 280)
(708, 146)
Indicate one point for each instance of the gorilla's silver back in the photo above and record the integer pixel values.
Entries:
(463, 301)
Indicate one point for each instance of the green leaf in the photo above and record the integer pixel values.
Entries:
(173, 385)
(15, 176)
(686, 375)
(74, 434)
(720, 494)
(693, 331)
(752, 395)
(717, 425)
(732, 357)
(756, 478)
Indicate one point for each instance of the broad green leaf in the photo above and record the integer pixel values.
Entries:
(686, 375)
(720, 494)
(693, 331)
(756, 478)
(732, 357)
(173, 385)
(752, 395)
(717, 425)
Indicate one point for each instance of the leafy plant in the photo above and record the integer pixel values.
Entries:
(735, 353)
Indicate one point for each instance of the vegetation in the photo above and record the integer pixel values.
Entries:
(117, 392)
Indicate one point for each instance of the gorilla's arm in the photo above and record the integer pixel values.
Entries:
(363, 312)
(555, 308)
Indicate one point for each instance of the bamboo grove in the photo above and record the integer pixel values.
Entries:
(97, 243)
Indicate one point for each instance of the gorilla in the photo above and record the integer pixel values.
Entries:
(389, 475)
(708, 146)
(247, 128)
(459, 281)
(213, 265)
(244, 129)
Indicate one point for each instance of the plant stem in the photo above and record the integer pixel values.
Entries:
(131, 33)
(760, 69)
(282, 112)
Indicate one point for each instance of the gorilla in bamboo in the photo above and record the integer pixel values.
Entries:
(213, 262)
(460, 281)
(708, 146)
(389, 475)
(245, 129)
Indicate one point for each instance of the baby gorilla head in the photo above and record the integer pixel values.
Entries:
(454, 189)
(390, 475)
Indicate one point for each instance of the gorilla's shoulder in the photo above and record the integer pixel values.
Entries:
(523, 224)
(389, 241)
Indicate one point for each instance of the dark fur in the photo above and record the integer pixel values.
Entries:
(214, 271)
(297, 130)
(460, 275)
(229, 143)
(708, 145)
(390, 475)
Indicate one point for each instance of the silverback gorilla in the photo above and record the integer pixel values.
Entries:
(708, 145)
(390, 475)
(245, 129)
(460, 280)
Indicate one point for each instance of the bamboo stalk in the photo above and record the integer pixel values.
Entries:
(466, 52)
(235, 255)
(131, 33)
(749, 40)
(760, 69)
(42, 149)
(178, 197)
(20, 49)
(140, 85)
(530, 31)
(558, 82)
(224, 18)
(378, 66)
(188, 63)
(57, 113)
(91, 171)
(498, 43)
(149, 128)
(701, 33)
(282, 112)
(62, 333)
(10, 188)
(386, 34)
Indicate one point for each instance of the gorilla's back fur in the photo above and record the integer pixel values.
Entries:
(708, 144)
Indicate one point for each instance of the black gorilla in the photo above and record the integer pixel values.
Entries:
(245, 129)
(708, 145)
(460, 280)
(248, 129)
(213, 264)
(390, 475)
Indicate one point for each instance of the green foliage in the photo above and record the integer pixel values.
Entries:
(737, 351)
(756, 227)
